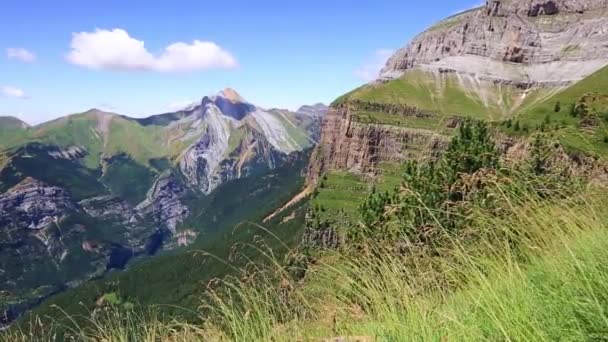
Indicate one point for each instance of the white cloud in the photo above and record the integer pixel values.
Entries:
(20, 54)
(371, 68)
(14, 92)
(116, 50)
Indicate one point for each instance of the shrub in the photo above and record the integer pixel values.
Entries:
(428, 193)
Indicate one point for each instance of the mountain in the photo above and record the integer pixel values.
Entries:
(11, 122)
(316, 110)
(209, 176)
(11, 128)
(87, 193)
(525, 66)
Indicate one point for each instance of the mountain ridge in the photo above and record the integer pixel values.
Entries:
(105, 189)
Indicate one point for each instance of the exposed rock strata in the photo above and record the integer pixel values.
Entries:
(164, 204)
(34, 205)
(234, 132)
(110, 207)
(522, 42)
(352, 146)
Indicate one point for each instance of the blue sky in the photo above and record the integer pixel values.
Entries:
(60, 57)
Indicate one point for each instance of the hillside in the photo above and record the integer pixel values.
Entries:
(87, 194)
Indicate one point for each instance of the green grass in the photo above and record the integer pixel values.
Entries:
(104, 135)
(127, 179)
(535, 273)
(589, 141)
(294, 128)
(11, 130)
(443, 95)
(341, 191)
(429, 123)
(390, 175)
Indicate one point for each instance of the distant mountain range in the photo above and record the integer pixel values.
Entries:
(86, 193)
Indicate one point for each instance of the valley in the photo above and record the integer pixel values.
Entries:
(86, 194)
(457, 196)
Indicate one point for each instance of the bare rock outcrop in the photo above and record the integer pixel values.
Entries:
(34, 205)
(353, 146)
(163, 204)
(523, 42)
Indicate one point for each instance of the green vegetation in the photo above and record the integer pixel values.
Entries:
(127, 179)
(432, 193)
(294, 128)
(101, 135)
(532, 268)
(430, 123)
(576, 115)
(11, 129)
(34, 160)
(443, 95)
(231, 233)
(339, 192)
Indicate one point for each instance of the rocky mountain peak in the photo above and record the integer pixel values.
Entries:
(229, 103)
(232, 95)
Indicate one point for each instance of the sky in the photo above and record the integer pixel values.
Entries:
(140, 58)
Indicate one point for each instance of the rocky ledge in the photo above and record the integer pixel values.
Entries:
(33, 204)
(358, 147)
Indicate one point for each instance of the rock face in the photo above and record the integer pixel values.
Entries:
(34, 205)
(357, 147)
(164, 204)
(521, 42)
(105, 207)
(503, 55)
(236, 136)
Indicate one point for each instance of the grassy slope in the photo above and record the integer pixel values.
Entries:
(11, 129)
(34, 161)
(340, 193)
(552, 288)
(127, 179)
(98, 138)
(569, 132)
(537, 273)
(444, 95)
(445, 98)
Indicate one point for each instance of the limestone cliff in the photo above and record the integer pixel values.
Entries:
(353, 146)
(525, 42)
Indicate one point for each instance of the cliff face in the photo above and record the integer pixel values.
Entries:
(34, 205)
(489, 63)
(358, 147)
(525, 42)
